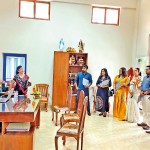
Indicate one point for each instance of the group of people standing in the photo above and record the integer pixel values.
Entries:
(128, 91)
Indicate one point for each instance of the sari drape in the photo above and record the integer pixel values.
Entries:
(120, 98)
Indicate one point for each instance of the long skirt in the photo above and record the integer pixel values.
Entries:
(119, 106)
(132, 112)
(103, 94)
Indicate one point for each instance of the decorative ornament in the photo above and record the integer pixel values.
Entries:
(61, 44)
(81, 46)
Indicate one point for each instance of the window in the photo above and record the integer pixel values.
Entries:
(10, 63)
(34, 9)
(105, 15)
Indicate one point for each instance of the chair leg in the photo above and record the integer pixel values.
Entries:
(64, 140)
(78, 143)
(82, 140)
(56, 119)
(52, 115)
(46, 106)
(61, 121)
(56, 142)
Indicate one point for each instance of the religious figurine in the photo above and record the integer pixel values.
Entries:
(70, 49)
(61, 44)
(72, 60)
(80, 61)
(70, 73)
(72, 84)
(81, 46)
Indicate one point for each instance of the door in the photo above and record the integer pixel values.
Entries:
(60, 78)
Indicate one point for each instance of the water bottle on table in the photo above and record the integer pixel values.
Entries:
(0, 87)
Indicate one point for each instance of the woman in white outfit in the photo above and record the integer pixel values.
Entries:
(132, 113)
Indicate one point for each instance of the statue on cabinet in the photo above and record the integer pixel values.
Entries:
(81, 46)
(80, 61)
(72, 60)
(61, 44)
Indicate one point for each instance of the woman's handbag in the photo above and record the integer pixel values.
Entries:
(110, 92)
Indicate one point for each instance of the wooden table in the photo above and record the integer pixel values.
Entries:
(3, 93)
(22, 111)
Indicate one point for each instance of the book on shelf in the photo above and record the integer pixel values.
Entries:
(18, 127)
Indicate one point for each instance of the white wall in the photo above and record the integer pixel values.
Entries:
(143, 29)
(108, 46)
(121, 3)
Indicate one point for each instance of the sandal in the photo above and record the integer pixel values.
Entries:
(104, 115)
(101, 114)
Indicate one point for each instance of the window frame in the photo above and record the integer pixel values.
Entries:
(106, 8)
(35, 1)
(14, 55)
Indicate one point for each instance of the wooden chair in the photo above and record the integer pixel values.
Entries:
(94, 95)
(74, 117)
(73, 130)
(43, 89)
(57, 109)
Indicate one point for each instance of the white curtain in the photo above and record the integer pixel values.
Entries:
(11, 65)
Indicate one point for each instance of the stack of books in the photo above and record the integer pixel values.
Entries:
(18, 127)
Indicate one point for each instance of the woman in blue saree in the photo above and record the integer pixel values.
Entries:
(103, 83)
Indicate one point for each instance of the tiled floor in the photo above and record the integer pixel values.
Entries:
(100, 134)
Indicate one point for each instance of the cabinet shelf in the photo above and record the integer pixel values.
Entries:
(31, 131)
(72, 78)
(75, 66)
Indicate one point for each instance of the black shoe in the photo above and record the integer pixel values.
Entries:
(148, 131)
(142, 124)
(101, 114)
(89, 114)
(146, 128)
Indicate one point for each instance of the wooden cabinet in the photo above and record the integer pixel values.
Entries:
(66, 67)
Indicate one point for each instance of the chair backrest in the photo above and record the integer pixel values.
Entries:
(94, 90)
(82, 118)
(43, 89)
(80, 103)
(69, 97)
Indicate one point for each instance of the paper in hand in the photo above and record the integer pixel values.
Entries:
(85, 82)
(105, 83)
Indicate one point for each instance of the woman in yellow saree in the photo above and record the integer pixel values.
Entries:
(120, 86)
